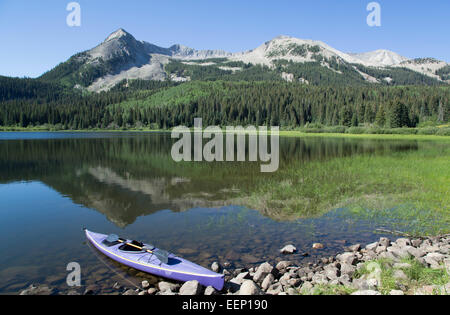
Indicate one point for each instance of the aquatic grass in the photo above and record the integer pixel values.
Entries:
(386, 136)
(416, 184)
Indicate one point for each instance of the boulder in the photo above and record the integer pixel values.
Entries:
(403, 242)
(152, 291)
(384, 241)
(348, 258)
(191, 288)
(284, 280)
(275, 289)
(318, 246)
(210, 291)
(372, 246)
(262, 272)
(415, 252)
(239, 279)
(283, 265)
(288, 249)
(347, 269)
(167, 286)
(249, 288)
(215, 267)
(319, 279)
(354, 248)
(332, 272)
(267, 282)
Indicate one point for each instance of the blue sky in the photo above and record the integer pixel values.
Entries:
(35, 36)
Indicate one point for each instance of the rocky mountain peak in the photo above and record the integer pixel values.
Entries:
(120, 33)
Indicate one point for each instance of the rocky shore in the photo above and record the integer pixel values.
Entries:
(417, 266)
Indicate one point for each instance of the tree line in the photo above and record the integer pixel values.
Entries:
(220, 103)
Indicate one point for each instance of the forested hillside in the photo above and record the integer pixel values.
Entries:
(153, 104)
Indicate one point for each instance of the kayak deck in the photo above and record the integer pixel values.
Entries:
(176, 268)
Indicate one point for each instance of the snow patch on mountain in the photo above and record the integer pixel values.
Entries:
(380, 58)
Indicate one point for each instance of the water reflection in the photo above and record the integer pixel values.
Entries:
(124, 176)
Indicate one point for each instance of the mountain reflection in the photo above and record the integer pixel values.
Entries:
(127, 176)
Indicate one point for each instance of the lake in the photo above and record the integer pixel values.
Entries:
(52, 185)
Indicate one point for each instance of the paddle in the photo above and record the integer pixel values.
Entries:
(162, 255)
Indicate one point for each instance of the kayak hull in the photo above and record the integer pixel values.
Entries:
(176, 269)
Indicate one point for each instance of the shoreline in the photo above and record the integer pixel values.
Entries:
(406, 266)
(283, 133)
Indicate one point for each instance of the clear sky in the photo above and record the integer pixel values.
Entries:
(34, 35)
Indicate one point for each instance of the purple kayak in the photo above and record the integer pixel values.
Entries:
(176, 268)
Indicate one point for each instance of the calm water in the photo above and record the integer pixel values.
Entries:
(54, 184)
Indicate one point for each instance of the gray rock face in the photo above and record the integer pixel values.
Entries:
(275, 289)
(372, 246)
(210, 291)
(403, 242)
(262, 272)
(248, 287)
(416, 242)
(348, 258)
(283, 265)
(415, 252)
(191, 288)
(396, 292)
(332, 272)
(384, 242)
(360, 284)
(239, 279)
(267, 282)
(167, 286)
(354, 248)
(399, 252)
(319, 279)
(347, 269)
(284, 280)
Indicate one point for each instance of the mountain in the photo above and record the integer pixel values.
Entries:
(381, 57)
(121, 57)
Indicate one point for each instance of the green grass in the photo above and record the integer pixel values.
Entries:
(417, 276)
(331, 290)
